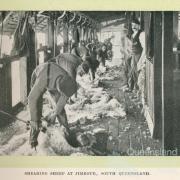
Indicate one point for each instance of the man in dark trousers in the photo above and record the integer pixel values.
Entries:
(136, 52)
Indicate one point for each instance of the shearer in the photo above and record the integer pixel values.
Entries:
(72, 63)
(61, 85)
(88, 57)
(102, 55)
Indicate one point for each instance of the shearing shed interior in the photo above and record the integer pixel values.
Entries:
(89, 83)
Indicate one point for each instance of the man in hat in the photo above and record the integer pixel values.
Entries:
(137, 52)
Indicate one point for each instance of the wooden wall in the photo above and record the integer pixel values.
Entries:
(159, 81)
(6, 94)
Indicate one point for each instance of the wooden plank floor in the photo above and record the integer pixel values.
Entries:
(131, 132)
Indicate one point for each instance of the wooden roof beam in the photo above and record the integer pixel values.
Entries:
(115, 23)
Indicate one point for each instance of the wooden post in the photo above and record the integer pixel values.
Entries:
(153, 90)
(50, 36)
(176, 83)
(65, 38)
(177, 107)
(55, 33)
(23, 78)
(175, 39)
(5, 92)
(175, 28)
(157, 71)
(35, 32)
(5, 86)
(167, 80)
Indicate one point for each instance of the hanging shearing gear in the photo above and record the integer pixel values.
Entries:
(23, 36)
(75, 35)
(24, 43)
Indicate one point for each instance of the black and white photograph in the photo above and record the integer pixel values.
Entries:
(89, 83)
